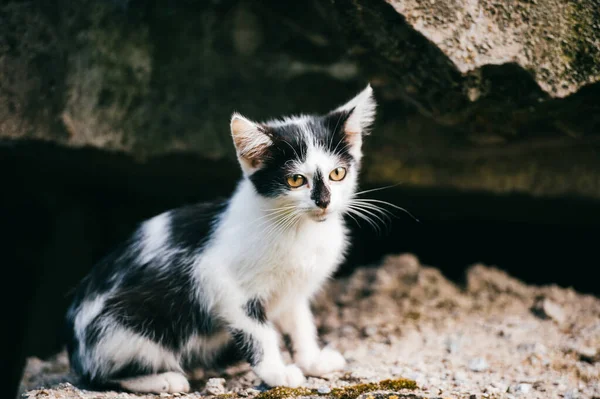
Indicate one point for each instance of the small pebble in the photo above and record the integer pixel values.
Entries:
(348, 331)
(522, 389)
(369, 331)
(547, 309)
(452, 344)
(460, 376)
(572, 395)
(478, 364)
(215, 386)
(324, 390)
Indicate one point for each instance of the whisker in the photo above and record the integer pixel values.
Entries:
(378, 189)
(382, 211)
(365, 218)
(274, 226)
(369, 212)
(283, 227)
(270, 218)
(279, 207)
(353, 218)
(388, 203)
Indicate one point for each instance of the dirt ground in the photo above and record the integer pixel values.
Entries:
(493, 338)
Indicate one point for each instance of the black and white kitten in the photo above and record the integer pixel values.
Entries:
(207, 283)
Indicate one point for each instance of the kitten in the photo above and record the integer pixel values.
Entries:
(207, 284)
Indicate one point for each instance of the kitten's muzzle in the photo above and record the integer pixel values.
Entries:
(320, 214)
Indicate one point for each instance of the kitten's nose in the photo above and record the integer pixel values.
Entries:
(322, 203)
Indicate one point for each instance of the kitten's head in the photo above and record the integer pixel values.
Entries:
(307, 164)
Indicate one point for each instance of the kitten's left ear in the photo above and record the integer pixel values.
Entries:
(360, 119)
(251, 143)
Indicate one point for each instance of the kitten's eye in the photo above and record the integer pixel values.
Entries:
(338, 174)
(296, 181)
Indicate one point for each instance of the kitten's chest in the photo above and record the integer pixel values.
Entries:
(299, 261)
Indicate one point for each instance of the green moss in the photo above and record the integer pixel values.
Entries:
(353, 391)
(283, 392)
(412, 315)
(348, 392)
(397, 384)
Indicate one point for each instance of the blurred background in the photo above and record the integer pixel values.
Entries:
(113, 111)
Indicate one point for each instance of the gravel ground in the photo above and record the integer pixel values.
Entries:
(493, 338)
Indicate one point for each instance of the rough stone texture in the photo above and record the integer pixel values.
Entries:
(489, 95)
(556, 42)
(481, 340)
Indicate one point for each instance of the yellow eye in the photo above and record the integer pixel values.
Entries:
(296, 181)
(338, 174)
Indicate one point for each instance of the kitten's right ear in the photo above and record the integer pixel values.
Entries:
(251, 143)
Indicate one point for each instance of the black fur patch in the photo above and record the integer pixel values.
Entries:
(288, 343)
(229, 355)
(191, 225)
(248, 346)
(157, 300)
(72, 344)
(161, 304)
(255, 310)
(320, 193)
(289, 144)
(129, 370)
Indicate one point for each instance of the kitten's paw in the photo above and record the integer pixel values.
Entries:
(169, 382)
(291, 376)
(177, 382)
(327, 361)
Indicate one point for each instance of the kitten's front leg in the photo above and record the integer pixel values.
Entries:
(259, 343)
(298, 323)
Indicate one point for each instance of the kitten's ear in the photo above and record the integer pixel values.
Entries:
(361, 116)
(251, 142)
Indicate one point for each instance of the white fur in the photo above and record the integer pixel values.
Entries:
(283, 267)
(88, 310)
(169, 382)
(156, 232)
(118, 345)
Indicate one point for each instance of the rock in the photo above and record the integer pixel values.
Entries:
(521, 389)
(586, 353)
(215, 386)
(496, 95)
(532, 347)
(493, 282)
(547, 309)
(460, 376)
(572, 395)
(478, 364)
(369, 331)
(452, 344)
(324, 390)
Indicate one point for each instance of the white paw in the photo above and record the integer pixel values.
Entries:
(169, 382)
(174, 382)
(327, 361)
(290, 376)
